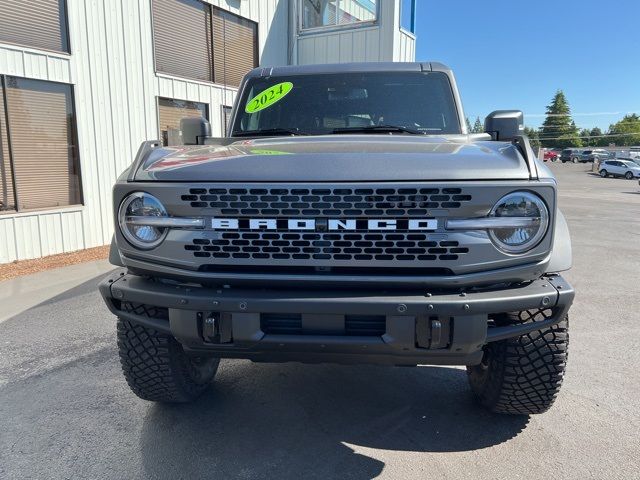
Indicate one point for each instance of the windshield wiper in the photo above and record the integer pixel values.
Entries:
(269, 132)
(378, 129)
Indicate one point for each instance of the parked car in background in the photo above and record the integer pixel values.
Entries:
(620, 168)
(550, 156)
(596, 154)
(570, 155)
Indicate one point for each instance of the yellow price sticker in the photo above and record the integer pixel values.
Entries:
(268, 97)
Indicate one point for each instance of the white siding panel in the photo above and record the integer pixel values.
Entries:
(8, 252)
(27, 232)
(59, 69)
(72, 237)
(11, 62)
(50, 229)
(333, 49)
(35, 65)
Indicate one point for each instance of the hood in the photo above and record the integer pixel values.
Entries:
(335, 158)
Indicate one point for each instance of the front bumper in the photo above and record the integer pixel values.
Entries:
(415, 328)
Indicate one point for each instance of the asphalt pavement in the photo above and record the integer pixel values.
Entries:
(66, 411)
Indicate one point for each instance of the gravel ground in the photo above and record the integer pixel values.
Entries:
(27, 267)
(66, 412)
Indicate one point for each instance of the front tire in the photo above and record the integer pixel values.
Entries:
(628, 176)
(604, 174)
(522, 375)
(157, 368)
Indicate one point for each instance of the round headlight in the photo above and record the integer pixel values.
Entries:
(526, 231)
(138, 231)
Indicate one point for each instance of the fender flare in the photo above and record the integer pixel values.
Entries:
(561, 254)
(114, 254)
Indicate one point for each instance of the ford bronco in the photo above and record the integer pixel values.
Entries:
(347, 216)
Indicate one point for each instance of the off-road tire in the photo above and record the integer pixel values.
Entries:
(157, 368)
(522, 375)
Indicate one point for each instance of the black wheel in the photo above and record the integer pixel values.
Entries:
(604, 173)
(157, 368)
(628, 176)
(522, 375)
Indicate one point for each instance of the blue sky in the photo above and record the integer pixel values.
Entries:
(512, 54)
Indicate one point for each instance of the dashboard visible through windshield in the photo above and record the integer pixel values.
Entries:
(381, 102)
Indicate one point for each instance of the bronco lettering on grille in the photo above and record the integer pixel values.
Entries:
(295, 224)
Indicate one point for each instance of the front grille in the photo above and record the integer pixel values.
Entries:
(326, 246)
(354, 325)
(335, 202)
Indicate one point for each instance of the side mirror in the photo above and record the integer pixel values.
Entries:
(504, 125)
(194, 130)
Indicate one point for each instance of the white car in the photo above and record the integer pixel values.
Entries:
(620, 168)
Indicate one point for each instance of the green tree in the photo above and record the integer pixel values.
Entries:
(559, 130)
(597, 138)
(534, 139)
(627, 131)
(478, 127)
(585, 137)
(469, 129)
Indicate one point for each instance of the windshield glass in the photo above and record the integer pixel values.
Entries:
(417, 102)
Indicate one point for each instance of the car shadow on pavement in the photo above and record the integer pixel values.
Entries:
(316, 421)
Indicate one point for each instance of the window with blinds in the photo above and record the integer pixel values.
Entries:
(234, 47)
(40, 135)
(7, 194)
(37, 23)
(182, 33)
(195, 40)
(171, 111)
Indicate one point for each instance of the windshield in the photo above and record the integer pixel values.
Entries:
(413, 102)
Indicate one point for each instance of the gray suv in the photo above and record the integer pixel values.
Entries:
(573, 155)
(347, 217)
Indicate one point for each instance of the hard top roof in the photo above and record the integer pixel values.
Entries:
(349, 68)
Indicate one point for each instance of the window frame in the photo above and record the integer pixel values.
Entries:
(302, 30)
(414, 9)
(74, 136)
(159, 97)
(162, 74)
(67, 53)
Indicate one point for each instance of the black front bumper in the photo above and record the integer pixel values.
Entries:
(417, 328)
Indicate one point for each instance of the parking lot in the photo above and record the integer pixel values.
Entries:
(66, 412)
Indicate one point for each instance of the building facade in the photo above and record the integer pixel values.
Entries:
(84, 82)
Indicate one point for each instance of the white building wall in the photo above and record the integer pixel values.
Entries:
(382, 42)
(115, 86)
(112, 71)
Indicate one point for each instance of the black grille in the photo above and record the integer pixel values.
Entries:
(365, 325)
(354, 325)
(303, 202)
(326, 246)
(281, 323)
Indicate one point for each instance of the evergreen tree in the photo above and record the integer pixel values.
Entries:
(532, 133)
(585, 137)
(559, 130)
(478, 127)
(597, 140)
(469, 129)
